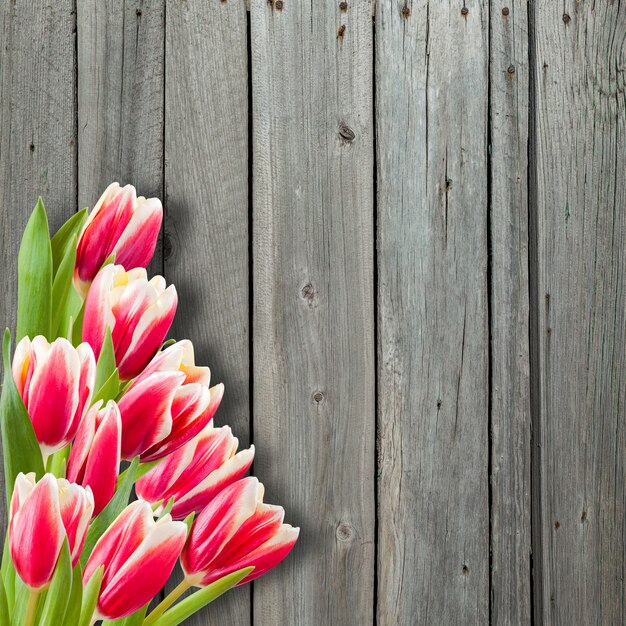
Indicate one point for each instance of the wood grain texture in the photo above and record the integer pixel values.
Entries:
(579, 61)
(510, 366)
(206, 181)
(432, 87)
(37, 129)
(121, 70)
(314, 418)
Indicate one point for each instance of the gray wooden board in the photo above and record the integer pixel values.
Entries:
(580, 124)
(510, 383)
(37, 128)
(431, 105)
(313, 325)
(206, 183)
(121, 71)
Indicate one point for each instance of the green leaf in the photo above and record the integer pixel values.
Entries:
(65, 301)
(5, 617)
(20, 446)
(57, 462)
(109, 389)
(8, 573)
(77, 327)
(34, 277)
(63, 237)
(72, 615)
(189, 521)
(168, 508)
(111, 510)
(106, 361)
(90, 596)
(58, 593)
(194, 602)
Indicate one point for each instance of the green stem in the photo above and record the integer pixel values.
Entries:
(31, 608)
(167, 602)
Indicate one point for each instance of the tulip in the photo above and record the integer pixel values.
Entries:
(42, 515)
(95, 456)
(236, 530)
(168, 404)
(56, 383)
(138, 311)
(195, 473)
(138, 555)
(119, 224)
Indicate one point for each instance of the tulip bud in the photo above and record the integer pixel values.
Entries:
(167, 404)
(42, 515)
(56, 383)
(119, 224)
(236, 530)
(195, 473)
(138, 311)
(95, 456)
(138, 555)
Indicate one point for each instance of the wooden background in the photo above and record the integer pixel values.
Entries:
(398, 233)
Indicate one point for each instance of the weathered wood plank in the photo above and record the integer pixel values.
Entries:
(432, 87)
(580, 56)
(37, 127)
(120, 99)
(510, 382)
(206, 182)
(314, 417)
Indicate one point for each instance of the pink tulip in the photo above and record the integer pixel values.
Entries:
(56, 383)
(77, 505)
(138, 311)
(42, 515)
(195, 473)
(95, 456)
(234, 531)
(119, 224)
(138, 555)
(167, 404)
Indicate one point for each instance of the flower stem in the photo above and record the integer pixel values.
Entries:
(167, 602)
(31, 608)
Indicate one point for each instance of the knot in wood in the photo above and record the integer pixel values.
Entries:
(406, 11)
(318, 396)
(566, 18)
(341, 31)
(346, 133)
(344, 532)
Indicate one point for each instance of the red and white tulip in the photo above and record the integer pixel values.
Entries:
(195, 473)
(167, 404)
(96, 453)
(120, 224)
(236, 530)
(42, 515)
(56, 383)
(138, 555)
(138, 311)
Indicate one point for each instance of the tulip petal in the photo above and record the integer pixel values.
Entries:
(146, 412)
(103, 228)
(145, 572)
(76, 505)
(19, 366)
(98, 313)
(136, 245)
(120, 540)
(102, 464)
(53, 396)
(82, 445)
(184, 430)
(149, 334)
(218, 523)
(202, 494)
(36, 534)
(263, 558)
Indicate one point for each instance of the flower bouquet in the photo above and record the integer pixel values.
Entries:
(96, 402)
